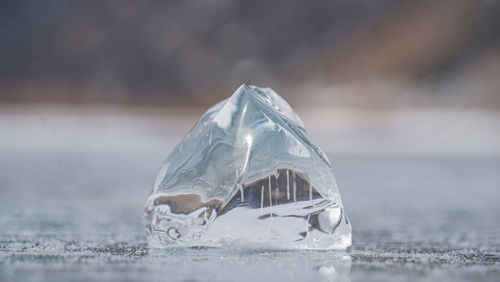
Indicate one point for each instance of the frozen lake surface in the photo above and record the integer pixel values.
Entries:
(76, 213)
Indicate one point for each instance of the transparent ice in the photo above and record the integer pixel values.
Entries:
(247, 175)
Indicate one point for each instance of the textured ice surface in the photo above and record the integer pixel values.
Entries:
(247, 175)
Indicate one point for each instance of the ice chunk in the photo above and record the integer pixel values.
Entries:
(247, 175)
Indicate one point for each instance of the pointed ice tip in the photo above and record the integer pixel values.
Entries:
(256, 92)
(245, 89)
(246, 93)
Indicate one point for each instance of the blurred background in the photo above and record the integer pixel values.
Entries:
(371, 54)
(404, 96)
(424, 73)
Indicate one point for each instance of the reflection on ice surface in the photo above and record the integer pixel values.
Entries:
(247, 174)
(214, 264)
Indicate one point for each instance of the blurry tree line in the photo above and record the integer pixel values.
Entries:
(360, 53)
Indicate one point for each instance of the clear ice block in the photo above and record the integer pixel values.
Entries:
(247, 175)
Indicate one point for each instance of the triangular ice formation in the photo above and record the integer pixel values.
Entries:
(247, 174)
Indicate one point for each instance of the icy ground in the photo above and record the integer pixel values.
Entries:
(72, 192)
